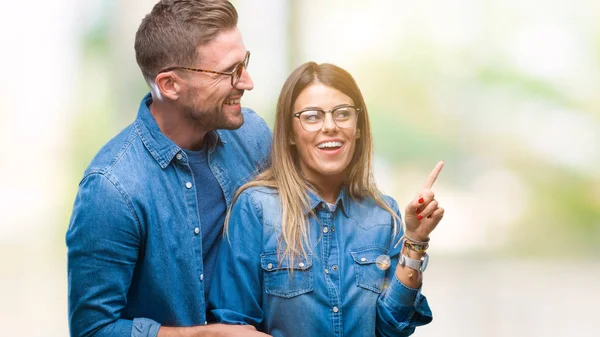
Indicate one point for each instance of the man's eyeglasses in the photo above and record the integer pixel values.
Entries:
(235, 74)
(312, 119)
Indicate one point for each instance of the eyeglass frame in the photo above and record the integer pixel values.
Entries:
(244, 64)
(299, 113)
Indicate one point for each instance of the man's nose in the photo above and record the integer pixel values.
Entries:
(245, 82)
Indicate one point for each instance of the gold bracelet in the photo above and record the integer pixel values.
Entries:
(420, 248)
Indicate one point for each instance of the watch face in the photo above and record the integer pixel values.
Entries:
(425, 261)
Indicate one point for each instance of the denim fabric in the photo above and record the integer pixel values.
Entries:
(134, 240)
(337, 290)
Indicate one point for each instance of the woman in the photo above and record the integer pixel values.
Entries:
(312, 246)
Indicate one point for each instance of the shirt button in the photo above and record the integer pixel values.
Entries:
(301, 265)
(201, 277)
(325, 230)
(188, 185)
(363, 259)
(326, 271)
(197, 230)
(335, 309)
(179, 156)
(270, 266)
(335, 267)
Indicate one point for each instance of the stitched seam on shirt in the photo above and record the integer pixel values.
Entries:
(257, 209)
(126, 199)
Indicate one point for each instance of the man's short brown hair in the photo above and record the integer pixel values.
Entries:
(170, 35)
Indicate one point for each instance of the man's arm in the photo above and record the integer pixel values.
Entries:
(103, 243)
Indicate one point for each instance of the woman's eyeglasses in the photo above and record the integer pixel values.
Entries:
(312, 119)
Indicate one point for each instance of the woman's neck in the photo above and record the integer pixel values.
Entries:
(328, 188)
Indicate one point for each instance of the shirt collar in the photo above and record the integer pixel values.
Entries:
(160, 146)
(343, 200)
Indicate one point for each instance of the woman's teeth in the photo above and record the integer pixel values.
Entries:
(329, 145)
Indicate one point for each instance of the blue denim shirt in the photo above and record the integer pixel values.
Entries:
(134, 244)
(339, 290)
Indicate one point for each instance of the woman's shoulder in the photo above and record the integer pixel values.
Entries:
(263, 201)
(368, 207)
(260, 197)
(259, 192)
(390, 202)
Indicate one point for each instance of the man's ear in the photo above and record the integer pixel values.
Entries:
(168, 84)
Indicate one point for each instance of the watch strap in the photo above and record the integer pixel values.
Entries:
(419, 265)
(410, 263)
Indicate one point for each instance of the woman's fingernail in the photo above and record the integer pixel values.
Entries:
(420, 217)
(421, 201)
(418, 210)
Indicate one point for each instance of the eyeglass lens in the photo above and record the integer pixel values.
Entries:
(343, 117)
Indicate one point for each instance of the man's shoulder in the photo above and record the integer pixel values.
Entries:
(114, 152)
(253, 118)
(254, 127)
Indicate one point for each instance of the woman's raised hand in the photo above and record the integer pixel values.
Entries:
(423, 213)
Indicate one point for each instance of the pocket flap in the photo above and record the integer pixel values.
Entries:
(368, 255)
(270, 262)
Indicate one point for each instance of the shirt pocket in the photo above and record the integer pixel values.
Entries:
(368, 274)
(280, 281)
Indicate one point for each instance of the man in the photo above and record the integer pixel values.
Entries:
(147, 219)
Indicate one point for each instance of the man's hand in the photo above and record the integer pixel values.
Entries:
(422, 214)
(211, 330)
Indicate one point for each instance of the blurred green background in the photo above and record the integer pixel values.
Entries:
(507, 92)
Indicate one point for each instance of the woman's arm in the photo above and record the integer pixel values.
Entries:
(236, 289)
(401, 307)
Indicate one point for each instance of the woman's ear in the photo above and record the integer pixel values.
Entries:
(357, 133)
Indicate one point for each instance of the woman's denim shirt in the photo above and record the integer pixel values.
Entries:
(338, 290)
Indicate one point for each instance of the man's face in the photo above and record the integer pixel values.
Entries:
(209, 99)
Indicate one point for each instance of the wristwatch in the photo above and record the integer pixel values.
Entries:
(419, 265)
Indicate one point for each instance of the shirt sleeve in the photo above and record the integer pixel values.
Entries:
(236, 290)
(103, 241)
(400, 309)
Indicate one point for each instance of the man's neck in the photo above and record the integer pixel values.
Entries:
(177, 127)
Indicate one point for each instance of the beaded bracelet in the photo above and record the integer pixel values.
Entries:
(415, 241)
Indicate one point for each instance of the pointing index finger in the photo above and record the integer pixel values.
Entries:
(434, 174)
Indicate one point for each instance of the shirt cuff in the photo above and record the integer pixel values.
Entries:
(399, 297)
(144, 327)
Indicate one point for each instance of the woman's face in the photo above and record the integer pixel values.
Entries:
(327, 152)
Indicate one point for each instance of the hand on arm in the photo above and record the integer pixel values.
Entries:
(213, 330)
